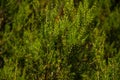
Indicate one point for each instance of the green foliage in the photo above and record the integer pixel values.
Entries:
(60, 40)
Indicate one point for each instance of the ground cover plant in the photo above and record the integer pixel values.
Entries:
(59, 39)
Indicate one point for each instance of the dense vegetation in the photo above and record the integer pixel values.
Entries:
(59, 39)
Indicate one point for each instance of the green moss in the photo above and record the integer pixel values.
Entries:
(59, 40)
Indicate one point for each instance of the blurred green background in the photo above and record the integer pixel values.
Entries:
(59, 39)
